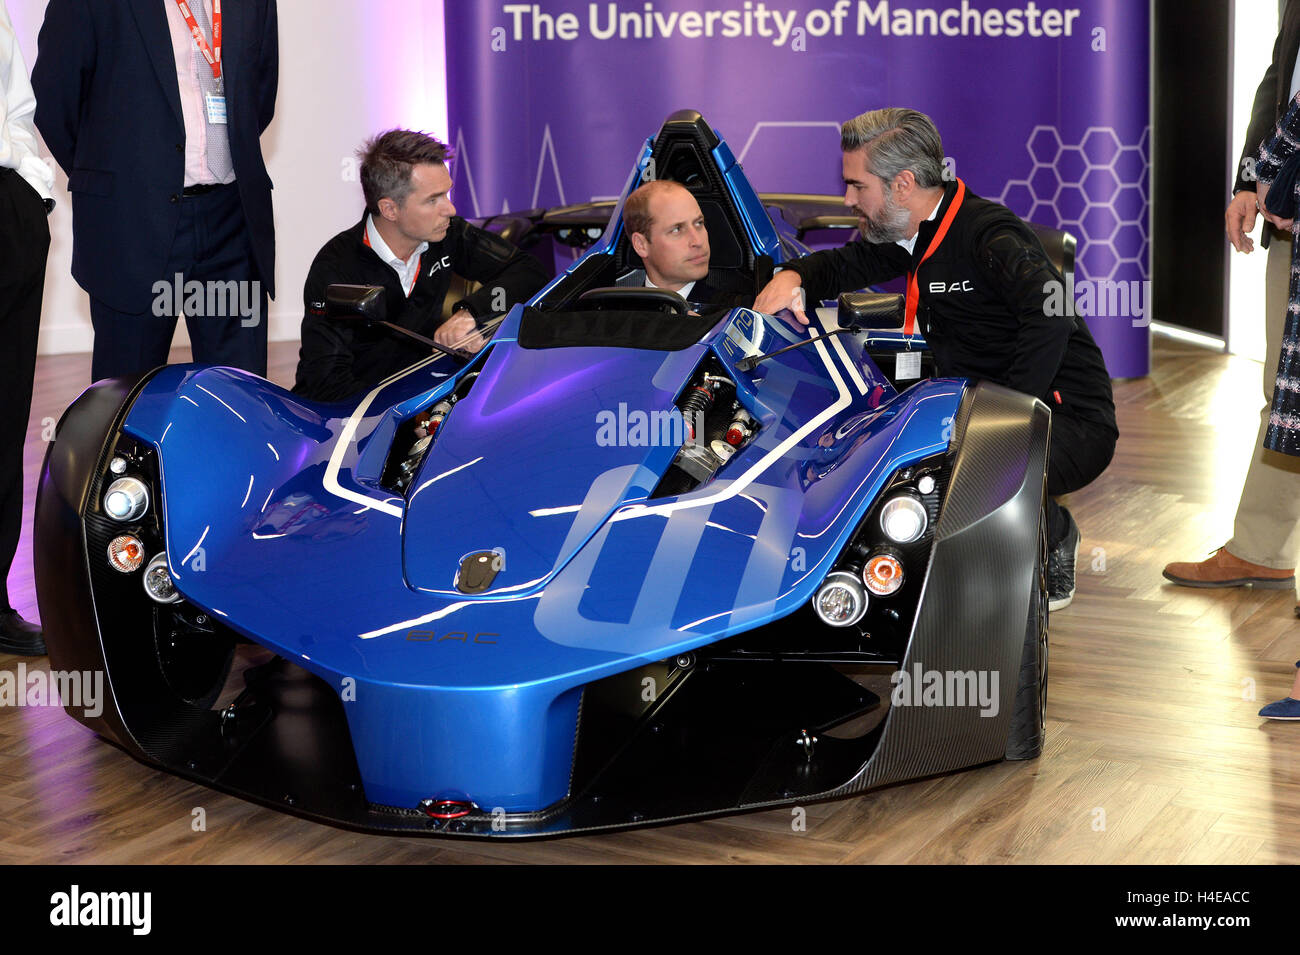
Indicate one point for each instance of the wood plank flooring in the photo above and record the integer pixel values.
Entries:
(1154, 752)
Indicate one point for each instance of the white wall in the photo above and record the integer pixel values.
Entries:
(348, 69)
(1254, 30)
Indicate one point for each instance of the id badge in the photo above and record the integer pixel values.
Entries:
(216, 108)
(907, 365)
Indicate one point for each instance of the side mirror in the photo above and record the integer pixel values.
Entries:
(348, 302)
(881, 310)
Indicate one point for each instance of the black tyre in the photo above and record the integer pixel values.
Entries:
(1029, 722)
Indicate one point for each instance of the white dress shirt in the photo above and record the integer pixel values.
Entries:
(684, 291)
(910, 244)
(408, 270)
(18, 149)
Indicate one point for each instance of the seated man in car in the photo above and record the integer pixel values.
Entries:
(410, 241)
(666, 228)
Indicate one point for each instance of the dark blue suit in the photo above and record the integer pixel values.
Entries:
(108, 106)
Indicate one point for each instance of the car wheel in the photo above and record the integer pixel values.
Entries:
(1029, 721)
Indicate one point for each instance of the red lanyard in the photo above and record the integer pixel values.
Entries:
(365, 237)
(210, 53)
(914, 287)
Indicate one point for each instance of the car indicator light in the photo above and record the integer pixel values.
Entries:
(840, 601)
(127, 499)
(883, 574)
(125, 554)
(903, 519)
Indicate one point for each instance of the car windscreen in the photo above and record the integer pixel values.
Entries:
(655, 331)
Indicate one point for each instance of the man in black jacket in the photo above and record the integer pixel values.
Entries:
(982, 294)
(410, 242)
(1266, 529)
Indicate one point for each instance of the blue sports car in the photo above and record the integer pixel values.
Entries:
(625, 564)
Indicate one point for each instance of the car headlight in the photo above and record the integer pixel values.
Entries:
(126, 500)
(840, 601)
(158, 583)
(903, 519)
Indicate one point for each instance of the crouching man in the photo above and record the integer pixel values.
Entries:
(978, 285)
(410, 241)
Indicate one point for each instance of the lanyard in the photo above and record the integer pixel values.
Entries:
(210, 53)
(365, 237)
(913, 286)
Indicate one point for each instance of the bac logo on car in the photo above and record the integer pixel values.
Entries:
(939, 287)
(455, 636)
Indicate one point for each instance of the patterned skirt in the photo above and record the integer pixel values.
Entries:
(1284, 420)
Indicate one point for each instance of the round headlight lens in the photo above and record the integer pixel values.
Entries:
(158, 582)
(903, 519)
(125, 553)
(126, 500)
(883, 574)
(840, 601)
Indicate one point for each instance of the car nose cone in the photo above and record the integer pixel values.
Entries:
(478, 570)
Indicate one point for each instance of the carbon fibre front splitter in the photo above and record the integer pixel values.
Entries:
(725, 736)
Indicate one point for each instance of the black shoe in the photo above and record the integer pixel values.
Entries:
(1060, 567)
(19, 637)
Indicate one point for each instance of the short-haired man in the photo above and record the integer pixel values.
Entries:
(666, 229)
(982, 298)
(410, 241)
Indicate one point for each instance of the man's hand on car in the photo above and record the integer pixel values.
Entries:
(459, 331)
(784, 291)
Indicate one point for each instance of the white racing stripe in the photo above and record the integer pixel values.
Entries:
(746, 479)
(635, 510)
(349, 432)
(844, 355)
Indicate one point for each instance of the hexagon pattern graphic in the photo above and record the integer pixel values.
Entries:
(1096, 189)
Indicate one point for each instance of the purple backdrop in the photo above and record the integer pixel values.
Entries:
(549, 104)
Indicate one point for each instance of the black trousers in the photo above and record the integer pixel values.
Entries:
(1081, 449)
(24, 245)
(218, 291)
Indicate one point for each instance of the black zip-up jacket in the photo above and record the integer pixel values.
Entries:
(341, 358)
(983, 306)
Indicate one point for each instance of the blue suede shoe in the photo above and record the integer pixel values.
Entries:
(1287, 709)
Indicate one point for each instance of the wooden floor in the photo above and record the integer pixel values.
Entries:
(1154, 752)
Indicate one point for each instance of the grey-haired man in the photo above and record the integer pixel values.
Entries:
(982, 283)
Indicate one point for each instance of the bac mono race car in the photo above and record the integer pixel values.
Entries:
(632, 561)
